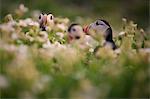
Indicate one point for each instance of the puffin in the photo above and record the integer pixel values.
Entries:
(101, 28)
(76, 35)
(75, 32)
(46, 20)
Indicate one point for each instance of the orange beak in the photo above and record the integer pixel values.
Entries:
(70, 38)
(86, 29)
(43, 23)
(44, 20)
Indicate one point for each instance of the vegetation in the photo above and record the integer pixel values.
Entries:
(41, 64)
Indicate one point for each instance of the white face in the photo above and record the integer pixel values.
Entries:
(46, 20)
(99, 26)
(50, 18)
(76, 32)
(41, 17)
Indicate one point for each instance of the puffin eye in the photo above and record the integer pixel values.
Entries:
(51, 17)
(40, 17)
(97, 23)
(73, 29)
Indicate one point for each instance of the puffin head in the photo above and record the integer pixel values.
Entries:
(46, 20)
(75, 32)
(99, 28)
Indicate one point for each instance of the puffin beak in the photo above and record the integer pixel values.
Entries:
(45, 20)
(43, 23)
(70, 38)
(86, 29)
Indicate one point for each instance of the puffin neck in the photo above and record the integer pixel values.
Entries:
(109, 35)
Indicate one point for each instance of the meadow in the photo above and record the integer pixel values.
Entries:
(41, 64)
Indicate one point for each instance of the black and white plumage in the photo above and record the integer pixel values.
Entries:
(75, 32)
(77, 36)
(101, 28)
(46, 20)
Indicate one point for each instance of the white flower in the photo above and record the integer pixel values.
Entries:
(3, 82)
(28, 22)
(22, 23)
(90, 41)
(57, 46)
(34, 24)
(61, 26)
(41, 83)
(47, 44)
(60, 34)
(122, 33)
(91, 50)
(8, 27)
(14, 36)
(43, 34)
(124, 19)
(146, 50)
(31, 39)
(65, 20)
(9, 17)
(22, 8)
(62, 20)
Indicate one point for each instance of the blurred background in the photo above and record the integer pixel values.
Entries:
(111, 10)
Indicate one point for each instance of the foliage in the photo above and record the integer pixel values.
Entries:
(41, 64)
